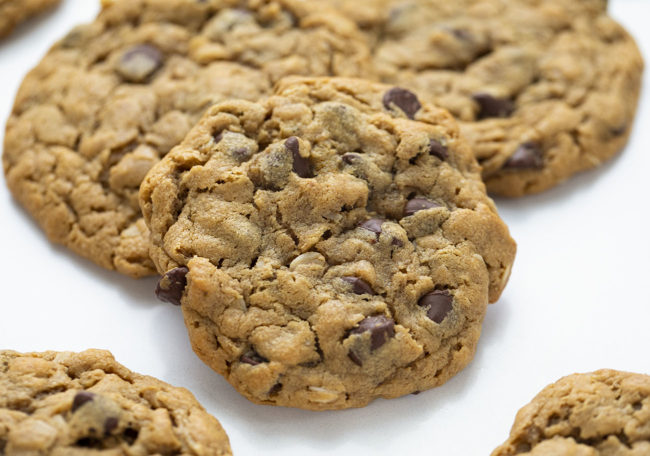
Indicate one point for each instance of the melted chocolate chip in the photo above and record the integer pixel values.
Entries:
(359, 286)
(527, 156)
(275, 389)
(355, 358)
(110, 425)
(253, 358)
(301, 165)
(418, 204)
(438, 150)
(140, 62)
(351, 158)
(403, 99)
(396, 242)
(171, 286)
(81, 398)
(374, 225)
(490, 106)
(218, 137)
(381, 329)
(440, 303)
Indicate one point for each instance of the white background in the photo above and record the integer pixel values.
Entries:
(578, 300)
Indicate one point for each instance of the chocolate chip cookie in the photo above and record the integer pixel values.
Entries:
(543, 88)
(63, 403)
(13, 12)
(604, 413)
(329, 245)
(114, 96)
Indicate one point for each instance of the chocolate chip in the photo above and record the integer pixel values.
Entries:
(359, 286)
(81, 398)
(381, 329)
(396, 242)
(355, 358)
(374, 225)
(403, 99)
(301, 165)
(140, 62)
(218, 137)
(618, 131)
(275, 389)
(253, 358)
(418, 204)
(171, 286)
(440, 303)
(110, 424)
(461, 34)
(437, 149)
(490, 106)
(527, 156)
(351, 158)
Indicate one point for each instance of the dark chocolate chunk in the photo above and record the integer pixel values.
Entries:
(218, 137)
(355, 358)
(301, 165)
(359, 286)
(253, 358)
(110, 425)
(403, 99)
(490, 106)
(396, 242)
(440, 303)
(171, 286)
(374, 225)
(140, 62)
(527, 156)
(438, 150)
(418, 204)
(81, 398)
(381, 329)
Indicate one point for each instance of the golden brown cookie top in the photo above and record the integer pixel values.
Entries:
(327, 243)
(87, 403)
(114, 96)
(602, 413)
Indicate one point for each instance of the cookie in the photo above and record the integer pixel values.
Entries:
(543, 88)
(603, 413)
(114, 96)
(64, 403)
(329, 245)
(13, 12)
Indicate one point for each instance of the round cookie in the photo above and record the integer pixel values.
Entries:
(603, 413)
(327, 249)
(114, 96)
(64, 403)
(543, 89)
(13, 12)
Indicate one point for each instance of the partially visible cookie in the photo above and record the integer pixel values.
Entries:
(543, 88)
(64, 403)
(13, 12)
(603, 413)
(114, 96)
(329, 245)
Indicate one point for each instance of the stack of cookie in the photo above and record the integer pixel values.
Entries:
(309, 179)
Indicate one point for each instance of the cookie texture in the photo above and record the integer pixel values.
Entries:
(329, 245)
(13, 12)
(82, 404)
(114, 96)
(603, 413)
(543, 88)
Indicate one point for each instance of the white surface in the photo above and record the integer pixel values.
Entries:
(578, 300)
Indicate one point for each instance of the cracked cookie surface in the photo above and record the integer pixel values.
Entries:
(64, 403)
(327, 249)
(603, 413)
(114, 96)
(13, 12)
(543, 89)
